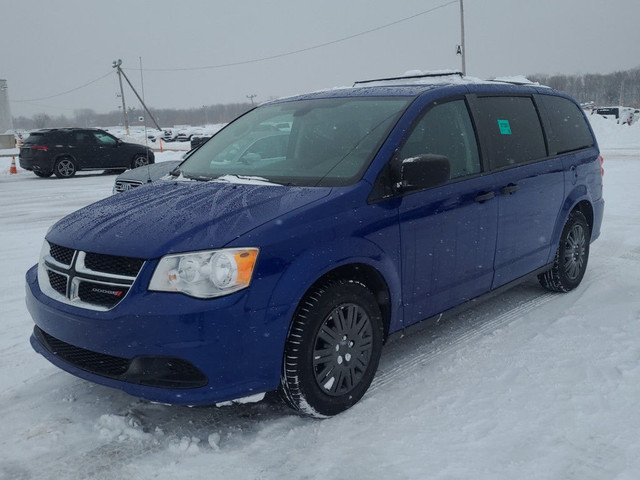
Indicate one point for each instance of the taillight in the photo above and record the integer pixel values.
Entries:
(41, 148)
(601, 166)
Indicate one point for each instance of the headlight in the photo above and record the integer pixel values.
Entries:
(206, 274)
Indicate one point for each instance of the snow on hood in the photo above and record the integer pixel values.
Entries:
(171, 217)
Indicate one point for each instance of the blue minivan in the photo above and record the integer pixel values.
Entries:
(284, 252)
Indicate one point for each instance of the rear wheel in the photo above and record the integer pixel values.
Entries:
(570, 262)
(65, 168)
(333, 349)
(139, 161)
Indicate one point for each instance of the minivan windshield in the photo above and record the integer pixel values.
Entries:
(318, 142)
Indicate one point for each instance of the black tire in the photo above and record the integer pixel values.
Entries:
(139, 160)
(570, 262)
(43, 174)
(333, 349)
(65, 167)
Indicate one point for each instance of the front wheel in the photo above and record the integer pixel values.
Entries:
(43, 174)
(570, 262)
(333, 348)
(65, 168)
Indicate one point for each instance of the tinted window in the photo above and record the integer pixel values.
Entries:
(511, 130)
(84, 138)
(566, 127)
(35, 137)
(446, 130)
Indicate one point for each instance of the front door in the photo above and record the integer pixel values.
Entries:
(448, 233)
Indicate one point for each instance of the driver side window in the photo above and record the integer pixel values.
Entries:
(446, 129)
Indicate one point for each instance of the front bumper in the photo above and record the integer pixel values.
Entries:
(170, 348)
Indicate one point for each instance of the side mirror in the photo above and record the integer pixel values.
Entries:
(423, 171)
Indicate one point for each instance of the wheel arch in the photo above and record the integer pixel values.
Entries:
(586, 208)
(370, 277)
(577, 200)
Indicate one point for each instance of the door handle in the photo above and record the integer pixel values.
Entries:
(509, 189)
(483, 197)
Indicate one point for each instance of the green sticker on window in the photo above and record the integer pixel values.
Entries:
(505, 128)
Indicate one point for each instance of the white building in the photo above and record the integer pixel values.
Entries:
(6, 122)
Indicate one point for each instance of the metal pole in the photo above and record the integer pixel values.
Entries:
(141, 101)
(464, 51)
(116, 64)
(206, 117)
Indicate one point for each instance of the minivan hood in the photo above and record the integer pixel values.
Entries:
(169, 217)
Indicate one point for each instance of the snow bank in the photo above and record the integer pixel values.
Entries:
(610, 135)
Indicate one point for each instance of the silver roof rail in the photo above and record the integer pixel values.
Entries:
(410, 77)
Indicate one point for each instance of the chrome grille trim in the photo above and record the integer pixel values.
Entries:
(124, 185)
(78, 274)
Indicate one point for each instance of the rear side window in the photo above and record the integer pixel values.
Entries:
(567, 130)
(35, 137)
(52, 137)
(511, 130)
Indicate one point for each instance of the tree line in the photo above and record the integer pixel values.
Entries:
(618, 88)
(166, 117)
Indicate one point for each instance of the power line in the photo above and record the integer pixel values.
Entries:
(255, 60)
(65, 92)
(294, 52)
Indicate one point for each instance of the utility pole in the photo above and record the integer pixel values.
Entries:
(121, 74)
(206, 117)
(116, 64)
(462, 48)
(251, 97)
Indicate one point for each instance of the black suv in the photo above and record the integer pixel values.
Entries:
(64, 151)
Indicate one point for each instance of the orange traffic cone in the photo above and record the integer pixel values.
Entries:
(13, 170)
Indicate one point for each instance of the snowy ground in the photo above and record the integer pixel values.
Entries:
(530, 385)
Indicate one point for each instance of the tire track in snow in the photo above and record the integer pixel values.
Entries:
(401, 363)
(402, 357)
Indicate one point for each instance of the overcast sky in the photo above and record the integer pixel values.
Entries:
(49, 47)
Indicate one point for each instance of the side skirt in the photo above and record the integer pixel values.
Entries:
(428, 322)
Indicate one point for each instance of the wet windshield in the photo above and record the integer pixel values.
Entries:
(322, 142)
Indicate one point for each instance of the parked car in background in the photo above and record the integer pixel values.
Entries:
(141, 175)
(169, 135)
(65, 151)
(282, 259)
(197, 140)
(622, 115)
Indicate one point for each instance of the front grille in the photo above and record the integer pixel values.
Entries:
(124, 185)
(58, 282)
(99, 294)
(61, 254)
(129, 267)
(84, 279)
(99, 363)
